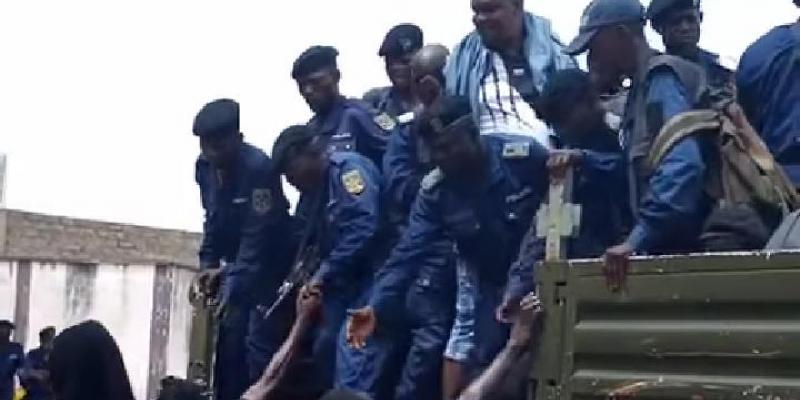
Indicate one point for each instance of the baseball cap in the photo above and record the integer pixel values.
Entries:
(602, 13)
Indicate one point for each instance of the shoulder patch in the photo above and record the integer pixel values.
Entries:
(385, 121)
(516, 150)
(261, 201)
(353, 182)
(432, 179)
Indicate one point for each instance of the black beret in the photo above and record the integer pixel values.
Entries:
(314, 59)
(218, 118)
(291, 137)
(658, 8)
(401, 40)
(6, 323)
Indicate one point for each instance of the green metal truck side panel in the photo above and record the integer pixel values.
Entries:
(696, 327)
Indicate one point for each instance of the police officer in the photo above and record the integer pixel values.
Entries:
(429, 303)
(11, 359)
(397, 48)
(36, 380)
(678, 23)
(244, 247)
(571, 105)
(347, 125)
(669, 202)
(483, 195)
(341, 206)
(768, 83)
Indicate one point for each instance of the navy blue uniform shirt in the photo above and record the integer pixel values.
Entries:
(385, 100)
(36, 389)
(11, 359)
(246, 216)
(768, 83)
(349, 224)
(487, 220)
(671, 212)
(600, 188)
(351, 126)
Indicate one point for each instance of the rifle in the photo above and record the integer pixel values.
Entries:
(306, 262)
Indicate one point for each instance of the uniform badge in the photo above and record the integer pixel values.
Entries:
(516, 150)
(385, 122)
(353, 182)
(262, 201)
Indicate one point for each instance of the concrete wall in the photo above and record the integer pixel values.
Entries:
(61, 271)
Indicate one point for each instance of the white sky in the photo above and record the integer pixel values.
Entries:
(97, 97)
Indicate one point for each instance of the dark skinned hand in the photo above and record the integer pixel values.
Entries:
(561, 160)
(361, 325)
(617, 263)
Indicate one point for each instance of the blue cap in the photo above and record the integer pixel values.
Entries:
(401, 40)
(314, 59)
(658, 8)
(600, 14)
(218, 118)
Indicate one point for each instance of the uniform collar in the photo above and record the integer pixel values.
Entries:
(330, 121)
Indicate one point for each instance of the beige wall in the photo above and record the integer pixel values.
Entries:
(135, 280)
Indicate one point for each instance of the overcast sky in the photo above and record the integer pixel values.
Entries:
(97, 97)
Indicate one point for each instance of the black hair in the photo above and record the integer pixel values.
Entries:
(293, 141)
(797, 3)
(86, 364)
(47, 332)
(563, 90)
(445, 111)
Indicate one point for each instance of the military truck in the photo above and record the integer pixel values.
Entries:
(714, 326)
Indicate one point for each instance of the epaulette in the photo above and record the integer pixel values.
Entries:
(432, 179)
(515, 150)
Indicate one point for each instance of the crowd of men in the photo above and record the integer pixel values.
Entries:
(417, 203)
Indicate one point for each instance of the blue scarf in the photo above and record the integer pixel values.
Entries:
(470, 61)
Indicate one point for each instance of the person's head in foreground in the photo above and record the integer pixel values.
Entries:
(86, 364)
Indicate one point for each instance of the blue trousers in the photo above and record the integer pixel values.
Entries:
(340, 366)
(430, 312)
(246, 341)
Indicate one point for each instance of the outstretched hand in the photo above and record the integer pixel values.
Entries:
(361, 325)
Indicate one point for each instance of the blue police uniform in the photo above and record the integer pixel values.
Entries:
(720, 78)
(672, 209)
(600, 188)
(351, 126)
(350, 233)
(36, 389)
(11, 359)
(385, 100)
(487, 221)
(429, 303)
(768, 82)
(246, 218)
